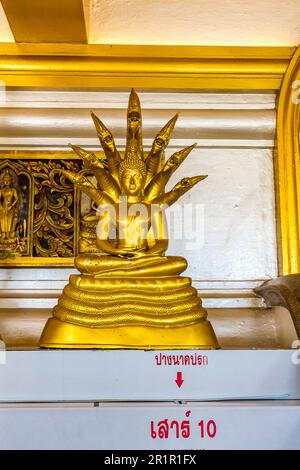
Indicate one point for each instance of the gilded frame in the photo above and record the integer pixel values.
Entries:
(288, 167)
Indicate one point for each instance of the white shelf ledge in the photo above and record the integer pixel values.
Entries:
(94, 375)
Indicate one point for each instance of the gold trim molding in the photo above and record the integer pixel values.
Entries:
(288, 161)
(148, 67)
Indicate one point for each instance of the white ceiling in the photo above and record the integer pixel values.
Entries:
(188, 22)
(198, 22)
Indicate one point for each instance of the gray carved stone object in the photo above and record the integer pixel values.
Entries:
(283, 291)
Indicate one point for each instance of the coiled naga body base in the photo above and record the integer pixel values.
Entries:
(132, 295)
(130, 307)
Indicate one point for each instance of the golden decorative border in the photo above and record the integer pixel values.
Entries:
(288, 168)
(37, 262)
(42, 154)
(148, 67)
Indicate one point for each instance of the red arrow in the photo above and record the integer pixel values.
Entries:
(179, 380)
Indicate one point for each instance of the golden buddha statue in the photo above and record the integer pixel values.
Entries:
(8, 213)
(131, 295)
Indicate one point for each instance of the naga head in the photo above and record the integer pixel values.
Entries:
(104, 134)
(162, 139)
(178, 157)
(76, 178)
(134, 114)
(187, 183)
(90, 159)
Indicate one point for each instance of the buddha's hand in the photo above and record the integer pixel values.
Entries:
(139, 253)
(131, 254)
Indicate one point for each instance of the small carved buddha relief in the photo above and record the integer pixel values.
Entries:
(9, 211)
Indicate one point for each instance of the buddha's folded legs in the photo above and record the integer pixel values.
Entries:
(149, 266)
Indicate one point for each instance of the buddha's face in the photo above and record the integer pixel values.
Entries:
(132, 182)
(158, 145)
(7, 181)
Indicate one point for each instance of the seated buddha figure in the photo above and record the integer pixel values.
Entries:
(131, 295)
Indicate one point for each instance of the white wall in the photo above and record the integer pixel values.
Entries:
(237, 200)
(194, 22)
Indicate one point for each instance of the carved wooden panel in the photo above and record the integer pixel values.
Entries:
(43, 219)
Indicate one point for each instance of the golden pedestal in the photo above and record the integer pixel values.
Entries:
(131, 313)
(58, 334)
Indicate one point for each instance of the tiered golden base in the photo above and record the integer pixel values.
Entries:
(58, 334)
